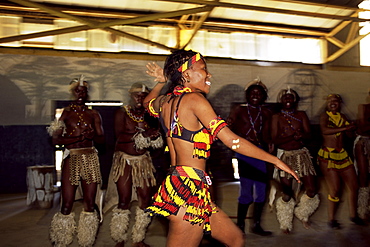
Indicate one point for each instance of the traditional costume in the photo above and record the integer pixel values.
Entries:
(363, 208)
(186, 186)
(142, 176)
(336, 158)
(83, 164)
(142, 173)
(299, 161)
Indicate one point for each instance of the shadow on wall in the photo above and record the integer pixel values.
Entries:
(224, 97)
(12, 103)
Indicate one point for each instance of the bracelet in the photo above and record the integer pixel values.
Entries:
(162, 82)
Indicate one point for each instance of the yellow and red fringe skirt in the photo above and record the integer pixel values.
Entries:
(336, 159)
(184, 187)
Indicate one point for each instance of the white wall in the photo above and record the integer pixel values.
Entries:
(38, 80)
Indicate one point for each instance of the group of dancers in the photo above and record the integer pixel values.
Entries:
(190, 126)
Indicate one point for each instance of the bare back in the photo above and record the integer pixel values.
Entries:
(182, 151)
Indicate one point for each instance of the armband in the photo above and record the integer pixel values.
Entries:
(56, 125)
(333, 199)
(151, 110)
(215, 126)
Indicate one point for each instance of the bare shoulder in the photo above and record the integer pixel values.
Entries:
(266, 111)
(95, 113)
(120, 111)
(196, 99)
(302, 114)
(66, 113)
(324, 118)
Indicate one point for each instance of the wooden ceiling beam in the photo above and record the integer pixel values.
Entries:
(345, 48)
(267, 9)
(196, 28)
(100, 25)
(317, 4)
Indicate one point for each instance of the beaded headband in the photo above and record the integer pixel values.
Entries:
(334, 95)
(190, 62)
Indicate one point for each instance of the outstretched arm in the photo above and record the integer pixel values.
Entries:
(205, 113)
(242, 146)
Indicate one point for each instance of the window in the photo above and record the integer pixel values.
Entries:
(365, 29)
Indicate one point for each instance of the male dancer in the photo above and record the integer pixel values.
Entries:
(290, 128)
(251, 120)
(77, 129)
(132, 168)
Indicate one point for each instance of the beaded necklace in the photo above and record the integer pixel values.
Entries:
(133, 116)
(179, 90)
(288, 116)
(253, 122)
(81, 121)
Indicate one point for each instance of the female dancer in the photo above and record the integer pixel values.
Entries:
(191, 126)
(335, 163)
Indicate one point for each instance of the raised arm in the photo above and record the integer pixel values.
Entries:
(155, 71)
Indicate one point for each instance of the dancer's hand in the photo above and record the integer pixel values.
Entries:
(281, 165)
(156, 71)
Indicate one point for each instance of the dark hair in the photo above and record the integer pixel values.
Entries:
(173, 62)
(263, 90)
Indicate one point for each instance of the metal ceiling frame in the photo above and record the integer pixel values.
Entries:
(193, 19)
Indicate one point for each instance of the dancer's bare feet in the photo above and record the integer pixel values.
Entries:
(285, 231)
(306, 224)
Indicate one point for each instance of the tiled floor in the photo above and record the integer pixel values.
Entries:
(24, 226)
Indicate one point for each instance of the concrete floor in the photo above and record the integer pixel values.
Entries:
(21, 225)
